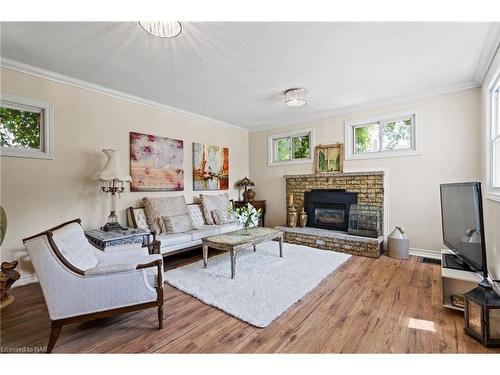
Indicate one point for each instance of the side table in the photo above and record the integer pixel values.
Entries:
(129, 236)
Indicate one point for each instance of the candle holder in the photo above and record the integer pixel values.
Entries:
(292, 216)
(112, 178)
(113, 190)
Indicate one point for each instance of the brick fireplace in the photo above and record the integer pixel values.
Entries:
(327, 198)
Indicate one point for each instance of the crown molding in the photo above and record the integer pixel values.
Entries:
(370, 105)
(490, 48)
(75, 82)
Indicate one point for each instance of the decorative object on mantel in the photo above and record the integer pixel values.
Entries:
(210, 167)
(329, 158)
(3, 224)
(482, 315)
(112, 178)
(156, 163)
(8, 276)
(248, 194)
(292, 215)
(398, 244)
(303, 218)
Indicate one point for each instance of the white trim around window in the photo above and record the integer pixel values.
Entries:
(46, 132)
(493, 140)
(349, 127)
(271, 148)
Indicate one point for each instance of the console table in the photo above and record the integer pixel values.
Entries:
(116, 237)
(257, 204)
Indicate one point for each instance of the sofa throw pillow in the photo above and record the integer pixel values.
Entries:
(155, 208)
(177, 224)
(214, 202)
(222, 217)
(196, 212)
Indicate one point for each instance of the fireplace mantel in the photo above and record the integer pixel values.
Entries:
(322, 175)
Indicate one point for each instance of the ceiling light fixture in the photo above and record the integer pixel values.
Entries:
(162, 29)
(295, 97)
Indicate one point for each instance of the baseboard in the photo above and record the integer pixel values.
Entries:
(25, 280)
(424, 253)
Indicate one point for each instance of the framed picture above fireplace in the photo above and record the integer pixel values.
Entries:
(329, 158)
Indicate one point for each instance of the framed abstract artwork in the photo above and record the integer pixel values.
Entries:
(210, 167)
(156, 163)
(329, 158)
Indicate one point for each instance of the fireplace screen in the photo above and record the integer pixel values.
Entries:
(329, 216)
(364, 220)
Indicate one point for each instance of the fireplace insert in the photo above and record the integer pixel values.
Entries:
(329, 208)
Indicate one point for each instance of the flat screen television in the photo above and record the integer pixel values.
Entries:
(463, 224)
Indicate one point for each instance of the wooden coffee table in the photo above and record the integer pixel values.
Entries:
(234, 241)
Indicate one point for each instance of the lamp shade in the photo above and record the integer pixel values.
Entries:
(112, 169)
(245, 182)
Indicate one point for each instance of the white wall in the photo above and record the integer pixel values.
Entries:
(491, 207)
(38, 194)
(450, 152)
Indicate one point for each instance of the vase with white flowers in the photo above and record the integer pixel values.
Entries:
(247, 215)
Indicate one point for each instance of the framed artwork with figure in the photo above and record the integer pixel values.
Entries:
(329, 158)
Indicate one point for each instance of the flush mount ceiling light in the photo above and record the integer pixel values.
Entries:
(295, 97)
(162, 29)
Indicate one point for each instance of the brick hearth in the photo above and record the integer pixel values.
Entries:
(370, 189)
(333, 240)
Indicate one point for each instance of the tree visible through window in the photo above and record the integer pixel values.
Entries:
(296, 146)
(20, 129)
(25, 128)
(301, 147)
(384, 136)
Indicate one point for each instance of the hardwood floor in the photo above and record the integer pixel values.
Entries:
(367, 306)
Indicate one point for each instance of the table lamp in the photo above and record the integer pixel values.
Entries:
(112, 178)
(248, 194)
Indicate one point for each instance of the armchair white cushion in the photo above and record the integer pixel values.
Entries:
(78, 282)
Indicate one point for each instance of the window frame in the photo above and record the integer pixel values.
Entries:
(349, 138)
(46, 127)
(493, 135)
(272, 147)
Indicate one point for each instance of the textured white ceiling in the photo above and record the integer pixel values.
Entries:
(237, 72)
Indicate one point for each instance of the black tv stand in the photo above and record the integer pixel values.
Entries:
(457, 278)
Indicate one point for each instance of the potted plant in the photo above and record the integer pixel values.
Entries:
(247, 215)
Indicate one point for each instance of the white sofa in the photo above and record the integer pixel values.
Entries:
(179, 242)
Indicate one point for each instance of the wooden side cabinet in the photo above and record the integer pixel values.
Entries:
(256, 204)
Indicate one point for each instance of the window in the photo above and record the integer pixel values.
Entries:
(494, 140)
(290, 148)
(25, 128)
(385, 136)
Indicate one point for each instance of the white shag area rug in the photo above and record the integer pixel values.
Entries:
(265, 285)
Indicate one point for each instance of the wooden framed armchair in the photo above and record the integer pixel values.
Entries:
(80, 282)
